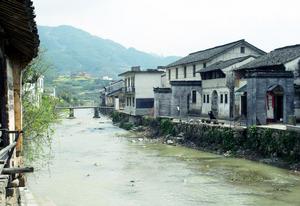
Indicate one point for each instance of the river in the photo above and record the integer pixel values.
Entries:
(96, 163)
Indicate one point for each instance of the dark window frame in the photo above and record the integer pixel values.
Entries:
(221, 98)
(176, 73)
(243, 50)
(194, 70)
(204, 98)
(226, 98)
(169, 71)
(207, 98)
(194, 97)
(184, 72)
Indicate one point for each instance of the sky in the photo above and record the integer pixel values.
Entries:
(178, 27)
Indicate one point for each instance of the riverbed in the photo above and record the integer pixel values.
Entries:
(97, 163)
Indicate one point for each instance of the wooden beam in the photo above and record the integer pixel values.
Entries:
(19, 170)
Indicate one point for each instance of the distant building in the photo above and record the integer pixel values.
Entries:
(34, 91)
(114, 95)
(139, 84)
(107, 78)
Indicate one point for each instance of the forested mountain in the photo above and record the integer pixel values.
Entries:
(72, 50)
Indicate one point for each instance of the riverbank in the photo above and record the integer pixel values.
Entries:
(278, 148)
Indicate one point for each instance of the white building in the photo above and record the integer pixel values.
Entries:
(34, 91)
(187, 93)
(139, 96)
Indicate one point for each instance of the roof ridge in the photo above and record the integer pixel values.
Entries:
(235, 42)
(287, 47)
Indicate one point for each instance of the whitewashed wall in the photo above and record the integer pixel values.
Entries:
(144, 84)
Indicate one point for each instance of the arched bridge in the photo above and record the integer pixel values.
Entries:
(97, 110)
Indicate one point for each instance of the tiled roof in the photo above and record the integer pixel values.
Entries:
(141, 72)
(207, 54)
(17, 20)
(223, 64)
(275, 58)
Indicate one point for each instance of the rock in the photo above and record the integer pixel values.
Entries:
(15, 183)
(227, 154)
(181, 134)
(96, 164)
(133, 141)
(140, 139)
(88, 175)
(170, 142)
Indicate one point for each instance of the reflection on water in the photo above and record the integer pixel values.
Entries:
(96, 163)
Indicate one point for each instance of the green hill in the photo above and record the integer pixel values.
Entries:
(72, 50)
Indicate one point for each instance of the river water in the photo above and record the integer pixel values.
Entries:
(96, 163)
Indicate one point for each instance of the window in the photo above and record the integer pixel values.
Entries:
(226, 98)
(144, 103)
(204, 98)
(132, 101)
(194, 70)
(204, 65)
(169, 71)
(207, 98)
(176, 73)
(194, 97)
(129, 101)
(184, 71)
(221, 99)
(243, 50)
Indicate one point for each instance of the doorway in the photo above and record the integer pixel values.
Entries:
(214, 103)
(275, 104)
(244, 105)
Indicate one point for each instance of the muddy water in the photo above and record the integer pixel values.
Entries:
(97, 164)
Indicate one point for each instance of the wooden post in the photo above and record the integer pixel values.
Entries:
(96, 112)
(71, 113)
(17, 81)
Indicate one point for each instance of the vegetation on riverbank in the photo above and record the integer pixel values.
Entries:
(39, 114)
(276, 147)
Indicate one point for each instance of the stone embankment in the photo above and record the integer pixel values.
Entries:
(276, 147)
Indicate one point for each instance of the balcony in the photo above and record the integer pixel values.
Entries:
(129, 90)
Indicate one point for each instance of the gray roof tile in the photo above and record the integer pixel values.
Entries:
(223, 64)
(207, 54)
(277, 57)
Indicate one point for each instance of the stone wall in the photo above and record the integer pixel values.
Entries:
(253, 142)
(162, 102)
(179, 97)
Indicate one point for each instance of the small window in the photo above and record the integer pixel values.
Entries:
(184, 71)
(129, 101)
(176, 73)
(204, 65)
(221, 99)
(132, 101)
(226, 98)
(194, 97)
(194, 70)
(207, 99)
(243, 50)
(204, 98)
(169, 71)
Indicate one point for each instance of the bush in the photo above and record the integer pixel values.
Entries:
(126, 125)
(166, 127)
